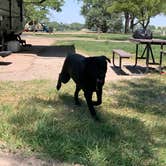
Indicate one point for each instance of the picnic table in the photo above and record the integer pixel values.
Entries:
(148, 51)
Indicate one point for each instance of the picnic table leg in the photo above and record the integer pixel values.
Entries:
(161, 56)
(113, 58)
(147, 57)
(150, 48)
(120, 62)
(136, 56)
(145, 49)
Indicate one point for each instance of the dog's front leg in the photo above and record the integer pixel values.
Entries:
(99, 97)
(88, 97)
(58, 86)
(76, 95)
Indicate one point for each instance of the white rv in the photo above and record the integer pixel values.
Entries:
(11, 21)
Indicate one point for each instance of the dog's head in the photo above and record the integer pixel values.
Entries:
(101, 70)
(95, 71)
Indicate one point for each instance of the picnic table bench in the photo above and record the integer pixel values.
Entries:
(5, 53)
(122, 54)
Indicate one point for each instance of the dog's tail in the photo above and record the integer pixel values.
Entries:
(107, 59)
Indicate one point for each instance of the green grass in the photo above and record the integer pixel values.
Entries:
(98, 48)
(35, 118)
(102, 36)
(105, 48)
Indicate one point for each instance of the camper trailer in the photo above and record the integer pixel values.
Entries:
(11, 24)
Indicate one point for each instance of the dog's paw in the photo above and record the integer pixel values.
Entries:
(96, 103)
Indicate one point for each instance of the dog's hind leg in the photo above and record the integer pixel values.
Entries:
(88, 96)
(99, 97)
(76, 95)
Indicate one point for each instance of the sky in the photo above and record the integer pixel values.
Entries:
(159, 20)
(71, 13)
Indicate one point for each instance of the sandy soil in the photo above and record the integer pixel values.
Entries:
(43, 61)
(10, 159)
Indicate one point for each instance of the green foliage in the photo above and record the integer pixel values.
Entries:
(87, 36)
(98, 18)
(65, 27)
(138, 11)
(37, 11)
(99, 48)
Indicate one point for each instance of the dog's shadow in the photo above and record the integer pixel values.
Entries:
(68, 100)
(2, 63)
(65, 100)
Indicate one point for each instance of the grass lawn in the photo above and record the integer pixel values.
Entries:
(92, 48)
(98, 47)
(132, 131)
(102, 36)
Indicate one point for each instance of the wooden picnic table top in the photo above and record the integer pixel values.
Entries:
(151, 41)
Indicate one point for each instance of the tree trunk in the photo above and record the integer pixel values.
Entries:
(132, 24)
(127, 20)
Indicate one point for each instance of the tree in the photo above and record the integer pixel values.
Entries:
(96, 15)
(137, 11)
(37, 10)
(122, 6)
(147, 9)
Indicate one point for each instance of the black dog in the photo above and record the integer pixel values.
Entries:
(89, 75)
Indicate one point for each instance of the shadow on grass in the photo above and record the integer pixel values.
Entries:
(57, 128)
(134, 70)
(50, 51)
(5, 63)
(119, 71)
(144, 95)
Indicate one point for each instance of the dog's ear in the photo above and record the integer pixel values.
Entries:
(107, 59)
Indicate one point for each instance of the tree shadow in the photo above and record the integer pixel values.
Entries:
(134, 70)
(119, 71)
(141, 69)
(49, 51)
(2, 63)
(149, 96)
(57, 128)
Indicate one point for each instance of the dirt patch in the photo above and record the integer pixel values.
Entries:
(10, 159)
(44, 61)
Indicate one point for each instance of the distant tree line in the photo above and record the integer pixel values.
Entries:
(100, 15)
(65, 27)
(105, 14)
